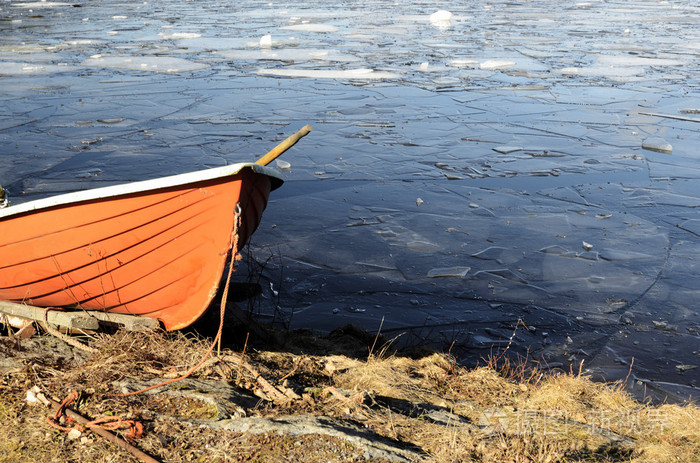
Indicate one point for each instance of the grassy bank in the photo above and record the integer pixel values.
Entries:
(425, 404)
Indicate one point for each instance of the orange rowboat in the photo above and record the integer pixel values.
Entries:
(156, 248)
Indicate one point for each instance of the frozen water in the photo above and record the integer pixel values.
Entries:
(657, 144)
(459, 158)
(144, 63)
(362, 74)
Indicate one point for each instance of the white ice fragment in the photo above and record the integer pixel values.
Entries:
(657, 144)
(266, 41)
(507, 149)
(463, 62)
(283, 165)
(117, 17)
(423, 66)
(311, 28)
(180, 35)
(449, 272)
(419, 201)
(496, 64)
(18, 68)
(630, 60)
(330, 74)
(41, 4)
(441, 19)
(144, 63)
(604, 71)
(441, 15)
(291, 54)
(586, 246)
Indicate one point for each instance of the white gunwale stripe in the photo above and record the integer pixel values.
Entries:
(139, 187)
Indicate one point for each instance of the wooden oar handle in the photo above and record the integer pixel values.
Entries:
(284, 146)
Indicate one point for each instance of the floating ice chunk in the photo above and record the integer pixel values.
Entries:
(630, 60)
(283, 165)
(330, 74)
(554, 249)
(490, 253)
(614, 254)
(496, 64)
(419, 201)
(422, 246)
(17, 68)
(180, 35)
(449, 272)
(586, 246)
(310, 28)
(266, 41)
(507, 149)
(508, 274)
(144, 63)
(441, 19)
(423, 66)
(34, 5)
(441, 15)
(295, 54)
(463, 62)
(692, 226)
(657, 144)
(604, 71)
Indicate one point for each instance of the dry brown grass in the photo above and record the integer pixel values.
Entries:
(447, 412)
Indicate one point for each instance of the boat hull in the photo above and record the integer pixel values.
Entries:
(158, 252)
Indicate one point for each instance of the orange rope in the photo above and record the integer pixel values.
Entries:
(111, 423)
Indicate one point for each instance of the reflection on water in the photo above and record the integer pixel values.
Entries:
(469, 167)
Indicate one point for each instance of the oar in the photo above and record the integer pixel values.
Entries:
(284, 146)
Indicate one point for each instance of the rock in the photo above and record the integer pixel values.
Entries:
(374, 446)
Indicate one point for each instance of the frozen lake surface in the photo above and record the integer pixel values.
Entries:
(472, 164)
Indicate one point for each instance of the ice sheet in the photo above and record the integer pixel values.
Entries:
(468, 168)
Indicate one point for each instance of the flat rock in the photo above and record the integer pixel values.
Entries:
(374, 445)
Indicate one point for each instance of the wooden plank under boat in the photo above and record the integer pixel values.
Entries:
(156, 248)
